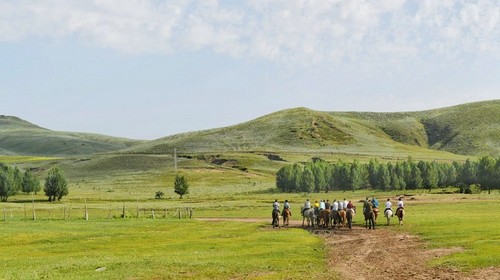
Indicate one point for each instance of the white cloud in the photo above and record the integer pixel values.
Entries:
(304, 32)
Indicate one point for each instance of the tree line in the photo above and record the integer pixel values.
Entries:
(13, 181)
(318, 175)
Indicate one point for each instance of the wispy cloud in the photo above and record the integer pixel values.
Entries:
(299, 32)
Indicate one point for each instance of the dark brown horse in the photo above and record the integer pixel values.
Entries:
(276, 218)
(400, 212)
(324, 216)
(369, 219)
(335, 218)
(286, 216)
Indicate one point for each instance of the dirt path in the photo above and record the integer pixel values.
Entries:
(363, 254)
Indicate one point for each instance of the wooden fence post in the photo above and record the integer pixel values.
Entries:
(86, 211)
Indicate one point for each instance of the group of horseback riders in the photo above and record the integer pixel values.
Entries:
(322, 205)
(369, 205)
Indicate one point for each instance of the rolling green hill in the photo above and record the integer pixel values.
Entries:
(469, 129)
(19, 137)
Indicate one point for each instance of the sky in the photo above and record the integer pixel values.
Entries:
(145, 69)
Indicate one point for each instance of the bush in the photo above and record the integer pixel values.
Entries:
(159, 195)
(471, 189)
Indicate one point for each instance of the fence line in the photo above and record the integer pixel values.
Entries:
(63, 212)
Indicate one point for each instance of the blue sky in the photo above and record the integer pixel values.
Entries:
(148, 69)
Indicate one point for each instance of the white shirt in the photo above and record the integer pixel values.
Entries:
(341, 205)
(335, 206)
(388, 204)
(400, 203)
(307, 204)
(276, 206)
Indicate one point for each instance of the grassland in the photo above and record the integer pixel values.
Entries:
(167, 247)
(231, 175)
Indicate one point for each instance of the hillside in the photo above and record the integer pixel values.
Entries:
(19, 137)
(469, 129)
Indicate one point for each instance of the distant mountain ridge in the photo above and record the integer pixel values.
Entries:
(467, 129)
(19, 137)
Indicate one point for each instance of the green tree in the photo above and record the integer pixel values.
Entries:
(319, 168)
(373, 167)
(308, 180)
(486, 172)
(55, 185)
(468, 174)
(384, 177)
(416, 181)
(9, 182)
(181, 186)
(30, 183)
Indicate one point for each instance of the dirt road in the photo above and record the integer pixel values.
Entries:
(363, 254)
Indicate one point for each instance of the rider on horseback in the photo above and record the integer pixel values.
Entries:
(276, 205)
(388, 206)
(307, 206)
(286, 205)
(367, 206)
(400, 204)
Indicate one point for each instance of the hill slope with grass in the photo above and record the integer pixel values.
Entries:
(471, 129)
(468, 129)
(19, 137)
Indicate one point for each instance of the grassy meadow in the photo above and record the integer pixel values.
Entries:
(231, 171)
(108, 246)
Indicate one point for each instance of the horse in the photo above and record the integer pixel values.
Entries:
(335, 217)
(286, 216)
(325, 218)
(350, 215)
(309, 215)
(276, 218)
(400, 212)
(375, 212)
(388, 214)
(343, 217)
(369, 219)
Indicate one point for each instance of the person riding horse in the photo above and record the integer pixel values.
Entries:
(276, 210)
(286, 213)
(368, 213)
(375, 207)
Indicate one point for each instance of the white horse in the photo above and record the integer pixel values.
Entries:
(309, 215)
(388, 214)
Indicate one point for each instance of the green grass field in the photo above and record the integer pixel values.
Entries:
(156, 249)
(168, 247)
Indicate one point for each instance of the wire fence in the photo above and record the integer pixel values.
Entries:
(86, 212)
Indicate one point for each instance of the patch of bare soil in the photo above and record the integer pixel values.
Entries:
(364, 254)
(382, 254)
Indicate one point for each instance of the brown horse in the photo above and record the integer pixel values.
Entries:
(369, 219)
(343, 217)
(350, 215)
(276, 218)
(335, 218)
(324, 216)
(400, 212)
(375, 213)
(286, 216)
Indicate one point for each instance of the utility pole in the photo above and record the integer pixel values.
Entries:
(175, 160)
